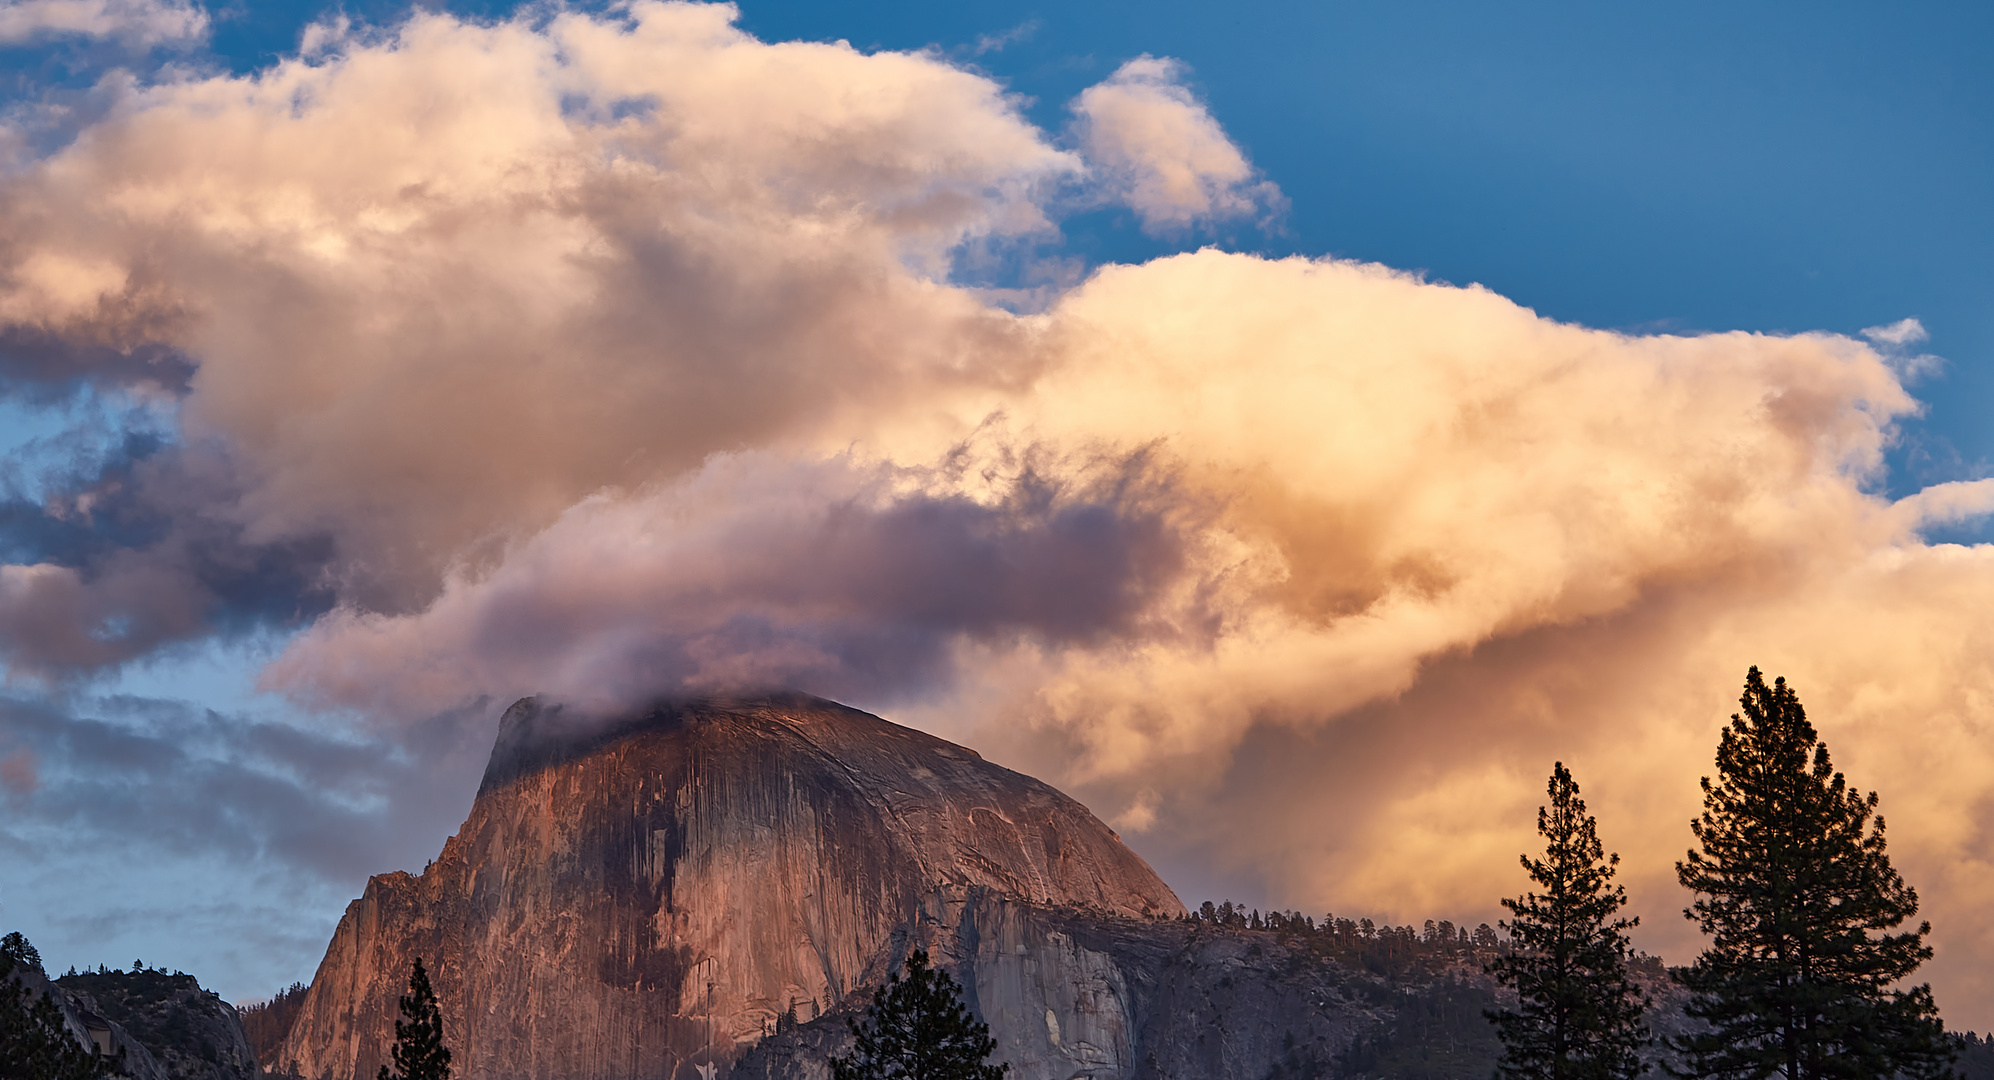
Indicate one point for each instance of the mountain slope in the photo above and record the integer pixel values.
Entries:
(642, 897)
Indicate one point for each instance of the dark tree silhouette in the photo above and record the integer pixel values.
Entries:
(918, 1029)
(34, 1043)
(1578, 1014)
(419, 1052)
(1793, 885)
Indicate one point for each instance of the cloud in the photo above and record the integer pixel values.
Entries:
(229, 842)
(618, 355)
(1897, 340)
(998, 42)
(1900, 333)
(1411, 469)
(137, 23)
(1162, 153)
(437, 281)
(19, 775)
(115, 552)
(1948, 503)
(848, 580)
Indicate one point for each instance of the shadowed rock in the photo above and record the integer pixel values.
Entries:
(90, 1028)
(191, 1033)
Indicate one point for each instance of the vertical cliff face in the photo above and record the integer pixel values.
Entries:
(643, 898)
(1075, 995)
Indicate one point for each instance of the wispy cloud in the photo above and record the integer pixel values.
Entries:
(137, 23)
(998, 42)
(1898, 342)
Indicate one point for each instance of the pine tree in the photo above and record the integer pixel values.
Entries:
(1793, 885)
(419, 1052)
(34, 1042)
(918, 1029)
(1578, 1014)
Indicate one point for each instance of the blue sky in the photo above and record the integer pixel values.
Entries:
(1688, 168)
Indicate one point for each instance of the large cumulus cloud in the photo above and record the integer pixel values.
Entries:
(610, 356)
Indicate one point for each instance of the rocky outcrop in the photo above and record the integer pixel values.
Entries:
(647, 898)
(1071, 995)
(191, 1033)
(90, 1028)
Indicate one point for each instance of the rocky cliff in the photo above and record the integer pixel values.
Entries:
(646, 898)
(90, 1028)
(1073, 994)
(191, 1033)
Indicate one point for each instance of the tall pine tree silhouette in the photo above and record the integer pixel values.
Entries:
(1578, 1015)
(1793, 885)
(419, 1052)
(918, 1029)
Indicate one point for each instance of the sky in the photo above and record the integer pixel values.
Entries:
(1288, 428)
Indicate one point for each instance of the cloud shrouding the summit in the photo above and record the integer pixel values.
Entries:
(613, 356)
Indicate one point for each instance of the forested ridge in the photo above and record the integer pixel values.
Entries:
(267, 1022)
(1378, 948)
(1426, 986)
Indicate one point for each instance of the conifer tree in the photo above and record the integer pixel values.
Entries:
(419, 1052)
(35, 1044)
(1800, 900)
(918, 1029)
(1578, 1014)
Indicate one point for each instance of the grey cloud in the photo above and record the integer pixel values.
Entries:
(187, 782)
(116, 554)
(825, 577)
(43, 367)
(218, 843)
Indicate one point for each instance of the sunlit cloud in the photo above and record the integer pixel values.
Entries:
(1160, 151)
(138, 23)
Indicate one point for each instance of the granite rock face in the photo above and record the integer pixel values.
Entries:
(648, 898)
(1071, 994)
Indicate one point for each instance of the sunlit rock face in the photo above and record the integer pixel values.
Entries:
(646, 897)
